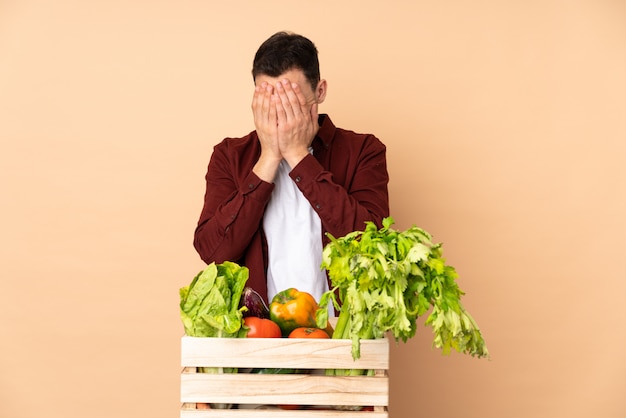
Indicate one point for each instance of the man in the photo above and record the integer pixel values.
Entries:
(272, 195)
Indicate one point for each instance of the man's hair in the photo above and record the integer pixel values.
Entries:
(286, 51)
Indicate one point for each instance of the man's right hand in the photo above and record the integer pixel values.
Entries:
(266, 123)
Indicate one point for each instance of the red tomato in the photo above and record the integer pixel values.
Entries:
(262, 328)
(307, 332)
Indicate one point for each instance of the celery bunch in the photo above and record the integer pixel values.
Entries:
(386, 279)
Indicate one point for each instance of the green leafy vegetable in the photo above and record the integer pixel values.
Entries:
(386, 279)
(209, 307)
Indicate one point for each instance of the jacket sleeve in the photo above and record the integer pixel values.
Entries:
(364, 197)
(233, 208)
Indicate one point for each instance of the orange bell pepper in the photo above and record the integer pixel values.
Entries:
(292, 309)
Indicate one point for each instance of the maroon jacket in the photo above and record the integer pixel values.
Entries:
(345, 180)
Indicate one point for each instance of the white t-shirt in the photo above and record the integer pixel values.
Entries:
(294, 238)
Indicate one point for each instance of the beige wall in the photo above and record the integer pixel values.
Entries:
(506, 133)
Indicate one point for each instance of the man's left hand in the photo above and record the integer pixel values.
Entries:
(297, 121)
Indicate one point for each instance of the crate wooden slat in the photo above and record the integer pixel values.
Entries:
(235, 413)
(273, 413)
(283, 352)
(311, 387)
(284, 389)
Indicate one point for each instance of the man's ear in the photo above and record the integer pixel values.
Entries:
(320, 91)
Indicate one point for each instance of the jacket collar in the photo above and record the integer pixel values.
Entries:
(327, 130)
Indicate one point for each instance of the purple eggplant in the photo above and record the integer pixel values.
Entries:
(251, 299)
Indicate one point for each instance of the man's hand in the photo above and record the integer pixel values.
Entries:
(297, 121)
(264, 104)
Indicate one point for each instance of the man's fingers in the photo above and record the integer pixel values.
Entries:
(314, 115)
(274, 111)
(256, 97)
(281, 114)
(266, 104)
(258, 100)
(285, 102)
(297, 92)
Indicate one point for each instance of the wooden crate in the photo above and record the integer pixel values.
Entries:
(312, 387)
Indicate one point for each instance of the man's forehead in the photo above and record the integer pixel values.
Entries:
(294, 75)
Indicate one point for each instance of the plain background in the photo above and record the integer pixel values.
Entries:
(506, 133)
